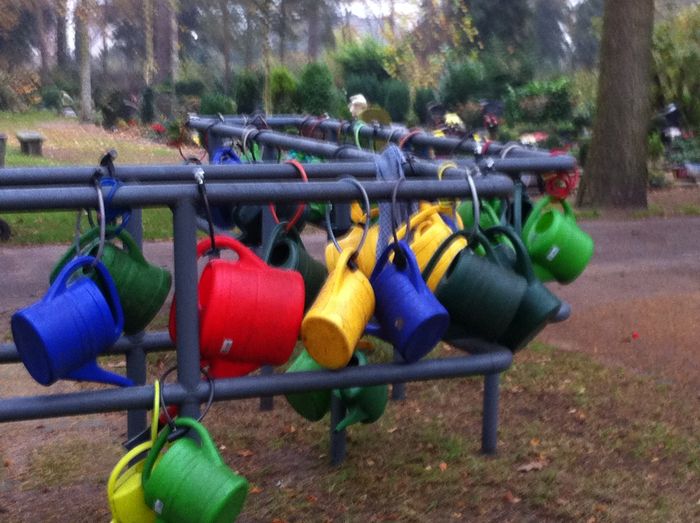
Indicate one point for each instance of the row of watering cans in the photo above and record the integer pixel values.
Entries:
(182, 480)
(88, 305)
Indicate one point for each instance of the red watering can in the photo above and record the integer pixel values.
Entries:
(248, 312)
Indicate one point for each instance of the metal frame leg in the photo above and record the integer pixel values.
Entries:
(398, 390)
(267, 403)
(337, 438)
(489, 430)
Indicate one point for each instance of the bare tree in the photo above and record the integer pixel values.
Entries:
(82, 23)
(616, 171)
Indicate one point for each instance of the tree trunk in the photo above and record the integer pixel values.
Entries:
(149, 65)
(226, 43)
(282, 31)
(41, 43)
(174, 42)
(616, 171)
(81, 26)
(314, 29)
(61, 34)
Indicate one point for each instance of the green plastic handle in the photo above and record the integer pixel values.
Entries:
(534, 215)
(207, 445)
(523, 264)
(479, 238)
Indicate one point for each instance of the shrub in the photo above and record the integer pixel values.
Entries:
(462, 82)
(370, 86)
(249, 91)
(191, 87)
(317, 93)
(424, 95)
(398, 100)
(283, 91)
(365, 58)
(51, 97)
(214, 103)
(540, 101)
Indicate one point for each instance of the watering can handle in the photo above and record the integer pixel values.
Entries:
(85, 244)
(479, 240)
(272, 241)
(523, 264)
(412, 265)
(340, 267)
(205, 439)
(568, 210)
(134, 251)
(245, 255)
(534, 216)
(120, 466)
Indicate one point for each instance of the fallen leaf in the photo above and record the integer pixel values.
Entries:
(222, 447)
(7, 463)
(428, 467)
(245, 453)
(392, 430)
(311, 498)
(278, 520)
(443, 466)
(533, 465)
(508, 497)
(256, 490)
(534, 442)
(370, 462)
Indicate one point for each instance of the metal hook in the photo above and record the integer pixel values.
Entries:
(198, 173)
(176, 432)
(103, 220)
(365, 231)
(475, 206)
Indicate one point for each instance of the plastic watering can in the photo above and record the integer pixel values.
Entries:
(407, 313)
(248, 312)
(362, 404)
(142, 287)
(559, 249)
(190, 483)
(336, 320)
(538, 305)
(124, 488)
(61, 335)
(312, 405)
(285, 250)
(481, 296)
(223, 216)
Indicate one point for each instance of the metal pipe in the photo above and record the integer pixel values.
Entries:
(151, 342)
(186, 312)
(395, 133)
(142, 195)
(489, 419)
(89, 402)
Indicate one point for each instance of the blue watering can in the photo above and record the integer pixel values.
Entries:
(61, 335)
(408, 315)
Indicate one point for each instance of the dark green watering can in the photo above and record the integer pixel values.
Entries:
(538, 305)
(285, 250)
(141, 286)
(362, 404)
(480, 294)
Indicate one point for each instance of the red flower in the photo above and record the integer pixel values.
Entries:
(158, 128)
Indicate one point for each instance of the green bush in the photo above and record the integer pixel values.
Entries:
(317, 94)
(463, 81)
(214, 103)
(147, 106)
(249, 91)
(365, 58)
(370, 86)
(191, 87)
(398, 100)
(424, 95)
(540, 101)
(51, 97)
(283, 91)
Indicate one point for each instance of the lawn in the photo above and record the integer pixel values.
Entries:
(71, 143)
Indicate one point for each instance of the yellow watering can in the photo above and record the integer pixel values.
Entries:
(428, 229)
(336, 320)
(124, 489)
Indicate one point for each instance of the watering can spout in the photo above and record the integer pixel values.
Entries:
(92, 372)
(354, 415)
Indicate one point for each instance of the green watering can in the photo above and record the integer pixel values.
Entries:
(492, 213)
(538, 305)
(559, 249)
(480, 294)
(141, 286)
(362, 404)
(285, 250)
(311, 405)
(190, 483)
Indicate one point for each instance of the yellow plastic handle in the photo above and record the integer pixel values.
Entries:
(120, 466)
(156, 411)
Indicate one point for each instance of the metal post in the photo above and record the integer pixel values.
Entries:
(337, 437)
(489, 429)
(518, 206)
(187, 316)
(398, 390)
(136, 357)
